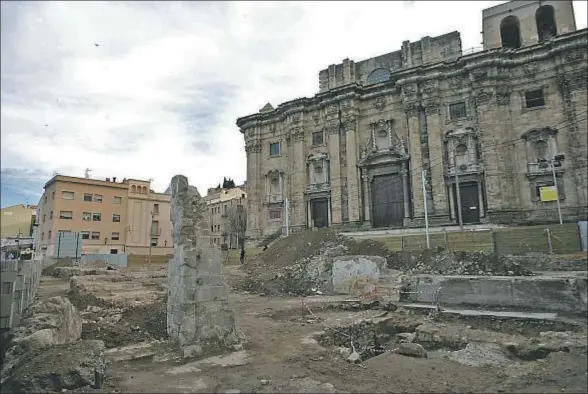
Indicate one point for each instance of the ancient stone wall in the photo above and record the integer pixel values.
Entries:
(198, 315)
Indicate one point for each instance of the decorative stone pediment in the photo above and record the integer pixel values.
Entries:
(461, 135)
(539, 133)
(382, 158)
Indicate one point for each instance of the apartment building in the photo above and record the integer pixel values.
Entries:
(224, 205)
(112, 217)
(17, 220)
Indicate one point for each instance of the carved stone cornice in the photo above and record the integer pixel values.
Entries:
(431, 106)
(483, 96)
(379, 103)
(531, 68)
(253, 147)
(349, 123)
(503, 95)
(430, 86)
(296, 134)
(412, 108)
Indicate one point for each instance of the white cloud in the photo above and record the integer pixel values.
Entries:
(161, 92)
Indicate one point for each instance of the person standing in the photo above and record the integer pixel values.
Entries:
(242, 256)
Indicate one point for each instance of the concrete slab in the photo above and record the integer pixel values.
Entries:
(538, 293)
(473, 312)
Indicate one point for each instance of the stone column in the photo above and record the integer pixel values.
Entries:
(480, 197)
(353, 179)
(451, 202)
(198, 315)
(437, 168)
(366, 201)
(298, 179)
(415, 159)
(335, 176)
(406, 193)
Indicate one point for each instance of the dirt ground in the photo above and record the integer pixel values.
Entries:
(279, 355)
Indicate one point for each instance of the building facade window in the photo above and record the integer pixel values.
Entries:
(87, 216)
(117, 200)
(115, 236)
(85, 235)
(457, 111)
(155, 208)
(68, 215)
(153, 241)
(274, 149)
(50, 215)
(96, 217)
(67, 195)
(49, 236)
(95, 235)
(115, 217)
(534, 98)
(510, 32)
(275, 214)
(97, 197)
(88, 197)
(318, 138)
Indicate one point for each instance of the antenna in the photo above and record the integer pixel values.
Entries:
(87, 173)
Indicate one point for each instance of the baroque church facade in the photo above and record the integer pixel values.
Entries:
(430, 125)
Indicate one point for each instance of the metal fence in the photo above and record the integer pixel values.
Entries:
(18, 287)
(583, 228)
(118, 260)
(553, 239)
(68, 245)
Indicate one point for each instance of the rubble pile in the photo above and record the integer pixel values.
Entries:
(300, 264)
(444, 262)
(45, 352)
(119, 326)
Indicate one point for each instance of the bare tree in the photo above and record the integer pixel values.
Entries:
(237, 224)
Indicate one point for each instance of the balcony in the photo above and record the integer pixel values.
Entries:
(155, 232)
(538, 169)
(465, 169)
(274, 198)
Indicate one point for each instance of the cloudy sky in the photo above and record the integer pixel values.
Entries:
(152, 89)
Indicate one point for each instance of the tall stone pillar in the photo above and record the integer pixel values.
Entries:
(367, 204)
(414, 142)
(298, 180)
(335, 173)
(198, 315)
(437, 167)
(353, 178)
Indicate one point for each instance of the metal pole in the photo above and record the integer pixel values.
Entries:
(286, 203)
(423, 175)
(150, 235)
(556, 191)
(458, 194)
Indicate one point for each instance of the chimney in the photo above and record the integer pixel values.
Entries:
(107, 179)
(113, 179)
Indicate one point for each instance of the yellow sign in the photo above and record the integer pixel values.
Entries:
(548, 193)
